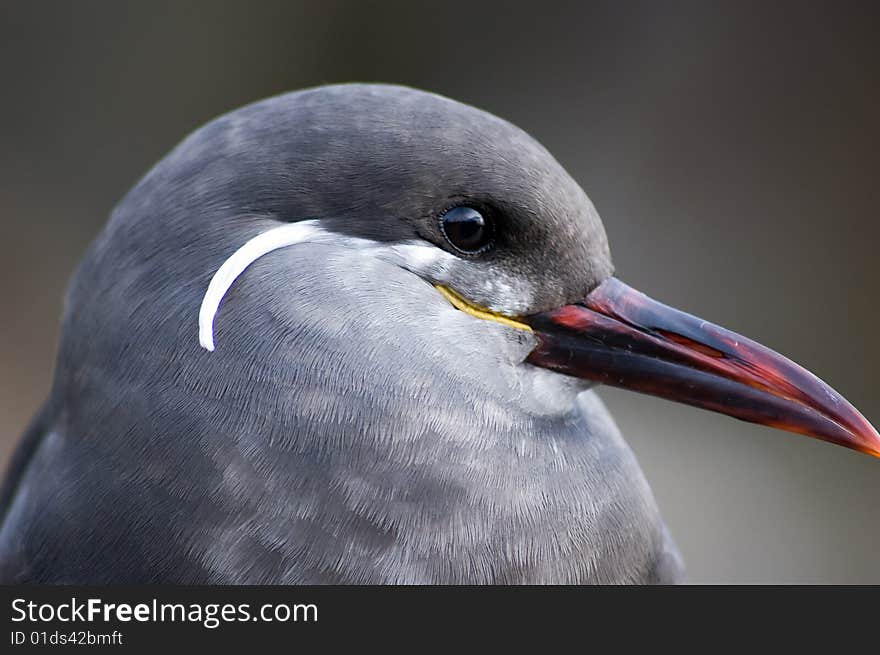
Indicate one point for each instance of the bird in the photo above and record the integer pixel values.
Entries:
(351, 335)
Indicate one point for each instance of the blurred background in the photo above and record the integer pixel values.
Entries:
(732, 149)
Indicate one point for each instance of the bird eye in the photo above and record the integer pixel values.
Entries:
(467, 229)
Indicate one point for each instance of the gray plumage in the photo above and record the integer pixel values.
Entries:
(352, 426)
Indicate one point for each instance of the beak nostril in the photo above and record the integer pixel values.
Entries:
(693, 344)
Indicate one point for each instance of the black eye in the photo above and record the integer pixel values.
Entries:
(467, 229)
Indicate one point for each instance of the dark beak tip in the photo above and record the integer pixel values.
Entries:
(870, 440)
(866, 441)
(856, 432)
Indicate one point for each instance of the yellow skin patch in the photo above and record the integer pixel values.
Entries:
(461, 304)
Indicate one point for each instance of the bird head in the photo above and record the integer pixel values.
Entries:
(481, 217)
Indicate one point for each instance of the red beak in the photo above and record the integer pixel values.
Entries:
(619, 336)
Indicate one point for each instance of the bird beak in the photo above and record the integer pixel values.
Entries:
(620, 337)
